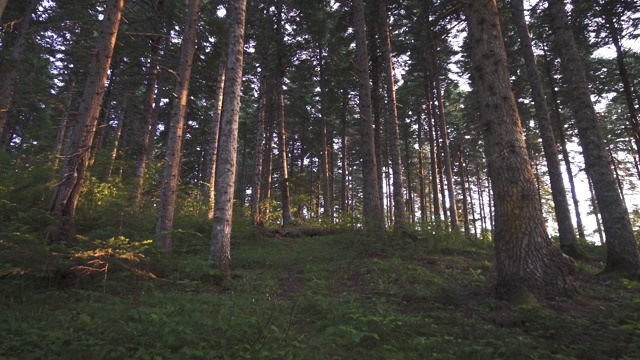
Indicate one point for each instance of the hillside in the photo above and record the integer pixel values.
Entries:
(340, 296)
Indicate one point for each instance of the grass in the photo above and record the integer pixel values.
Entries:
(340, 296)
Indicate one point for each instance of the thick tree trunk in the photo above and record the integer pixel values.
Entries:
(76, 157)
(267, 168)
(171, 170)
(399, 205)
(211, 155)
(225, 179)
(622, 249)
(527, 261)
(11, 67)
(568, 241)
(373, 215)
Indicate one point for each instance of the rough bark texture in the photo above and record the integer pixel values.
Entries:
(622, 249)
(76, 157)
(526, 260)
(64, 123)
(399, 210)
(171, 169)
(228, 148)
(373, 216)
(211, 156)
(566, 233)
(10, 70)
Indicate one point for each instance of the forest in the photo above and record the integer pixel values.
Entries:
(330, 179)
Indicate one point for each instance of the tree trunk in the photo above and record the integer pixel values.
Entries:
(527, 261)
(622, 249)
(423, 198)
(434, 157)
(568, 241)
(373, 216)
(171, 170)
(116, 139)
(324, 142)
(3, 4)
(344, 205)
(64, 123)
(559, 131)
(596, 212)
(76, 157)
(399, 204)
(258, 154)
(211, 156)
(463, 183)
(151, 107)
(13, 64)
(225, 179)
(448, 174)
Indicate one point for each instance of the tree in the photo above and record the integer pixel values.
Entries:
(10, 70)
(399, 211)
(76, 156)
(3, 4)
(227, 150)
(171, 170)
(622, 249)
(527, 262)
(373, 214)
(568, 241)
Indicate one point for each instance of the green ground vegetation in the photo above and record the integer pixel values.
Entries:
(426, 295)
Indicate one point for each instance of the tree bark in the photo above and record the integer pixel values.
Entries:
(344, 206)
(171, 169)
(324, 142)
(463, 185)
(76, 157)
(568, 240)
(527, 262)
(399, 204)
(423, 198)
(225, 179)
(373, 215)
(116, 138)
(211, 156)
(622, 249)
(10, 69)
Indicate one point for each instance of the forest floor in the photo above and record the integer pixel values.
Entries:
(339, 296)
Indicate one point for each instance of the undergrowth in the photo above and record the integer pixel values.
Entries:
(420, 295)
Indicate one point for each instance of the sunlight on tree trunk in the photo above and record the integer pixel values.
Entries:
(220, 252)
(526, 260)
